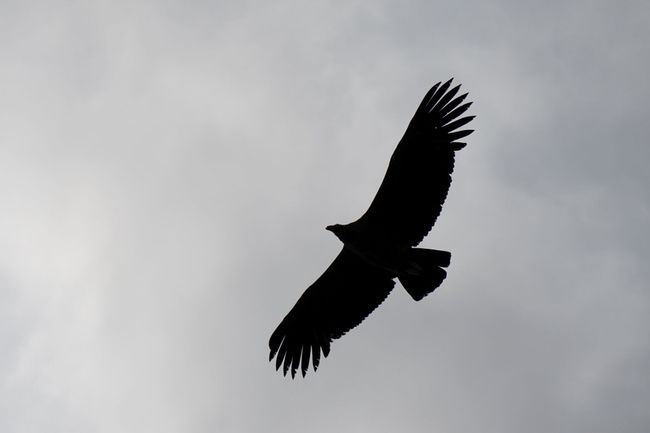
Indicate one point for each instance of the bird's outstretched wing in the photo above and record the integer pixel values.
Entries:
(347, 292)
(416, 183)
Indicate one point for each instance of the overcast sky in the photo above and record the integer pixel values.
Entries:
(167, 170)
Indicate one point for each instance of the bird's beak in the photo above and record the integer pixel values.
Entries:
(330, 228)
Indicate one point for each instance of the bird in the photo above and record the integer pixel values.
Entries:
(381, 246)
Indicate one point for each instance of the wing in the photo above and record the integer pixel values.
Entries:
(347, 292)
(416, 183)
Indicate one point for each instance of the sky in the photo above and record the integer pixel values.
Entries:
(167, 170)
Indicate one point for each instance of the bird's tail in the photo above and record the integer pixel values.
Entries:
(424, 271)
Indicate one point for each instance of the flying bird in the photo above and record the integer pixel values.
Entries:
(381, 245)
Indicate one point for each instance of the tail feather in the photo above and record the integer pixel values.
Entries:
(424, 272)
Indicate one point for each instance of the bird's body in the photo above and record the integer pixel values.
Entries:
(366, 243)
(381, 245)
(376, 250)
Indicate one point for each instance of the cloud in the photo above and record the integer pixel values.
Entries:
(167, 171)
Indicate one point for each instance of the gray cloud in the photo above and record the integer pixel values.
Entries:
(167, 171)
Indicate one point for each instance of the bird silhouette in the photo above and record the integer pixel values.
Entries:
(381, 245)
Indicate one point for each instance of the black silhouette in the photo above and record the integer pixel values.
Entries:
(380, 246)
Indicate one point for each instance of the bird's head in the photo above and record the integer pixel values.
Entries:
(344, 232)
(333, 228)
(337, 229)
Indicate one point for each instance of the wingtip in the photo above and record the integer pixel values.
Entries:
(445, 86)
(278, 360)
(326, 349)
(272, 352)
(315, 364)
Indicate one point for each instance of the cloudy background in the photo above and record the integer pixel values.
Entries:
(167, 170)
